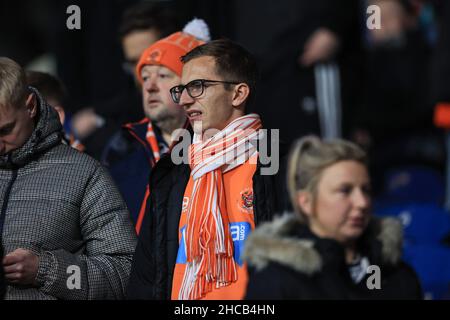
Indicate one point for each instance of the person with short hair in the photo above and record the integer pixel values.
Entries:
(141, 25)
(200, 213)
(64, 227)
(324, 250)
(55, 93)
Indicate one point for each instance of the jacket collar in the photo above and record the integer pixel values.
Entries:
(139, 128)
(280, 241)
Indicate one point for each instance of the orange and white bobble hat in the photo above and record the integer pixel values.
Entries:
(168, 51)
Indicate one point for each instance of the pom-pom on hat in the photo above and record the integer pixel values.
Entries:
(168, 51)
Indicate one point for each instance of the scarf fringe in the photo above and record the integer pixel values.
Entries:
(209, 246)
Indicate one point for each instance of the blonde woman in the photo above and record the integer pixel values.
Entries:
(331, 247)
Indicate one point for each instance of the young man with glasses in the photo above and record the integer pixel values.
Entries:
(201, 212)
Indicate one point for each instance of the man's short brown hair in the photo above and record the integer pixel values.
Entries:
(13, 86)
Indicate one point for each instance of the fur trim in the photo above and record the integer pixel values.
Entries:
(391, 238)
(271, 242)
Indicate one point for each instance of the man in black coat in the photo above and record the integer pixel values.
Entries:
(159, 255)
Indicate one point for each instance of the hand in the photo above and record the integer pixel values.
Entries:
(321, 45)
(85, 122)
(21, 267)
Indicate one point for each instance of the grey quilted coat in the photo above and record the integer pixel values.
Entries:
(63, 206)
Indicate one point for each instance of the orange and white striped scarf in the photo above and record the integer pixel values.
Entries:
(209, 247)
(150, 136)
(153, 142)
(151, 139)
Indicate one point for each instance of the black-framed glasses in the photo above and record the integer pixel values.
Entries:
(195, 88)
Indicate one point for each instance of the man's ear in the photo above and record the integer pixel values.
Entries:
(61, 113)
(305, 202)
(31, 105)
(240, 94)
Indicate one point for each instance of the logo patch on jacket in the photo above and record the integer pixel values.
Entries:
(239, 233)
(245, 202)
(185, 204)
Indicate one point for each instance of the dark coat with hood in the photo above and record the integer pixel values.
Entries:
(286, 261)
(63, 206)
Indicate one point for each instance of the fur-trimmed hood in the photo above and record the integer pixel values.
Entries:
(276, 241)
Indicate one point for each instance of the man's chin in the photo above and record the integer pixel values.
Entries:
(154, 117)
(153, 111)
(160, 118)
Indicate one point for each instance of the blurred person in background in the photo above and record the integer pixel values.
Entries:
(440, 83)
(324, 249)
(309, 56)
(394, 121)
(141, 25)
(55, 93)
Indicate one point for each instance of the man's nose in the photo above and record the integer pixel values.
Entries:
(151, 84)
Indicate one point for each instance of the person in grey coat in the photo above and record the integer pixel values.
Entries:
(64, 228)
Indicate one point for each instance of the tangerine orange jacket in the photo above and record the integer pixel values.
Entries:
(157, 249)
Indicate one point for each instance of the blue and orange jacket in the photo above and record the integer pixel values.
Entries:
(129, 158)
